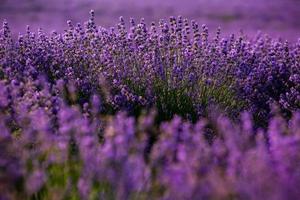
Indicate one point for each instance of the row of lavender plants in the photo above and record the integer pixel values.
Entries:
(148, 113)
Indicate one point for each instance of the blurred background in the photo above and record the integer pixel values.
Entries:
(278, 18)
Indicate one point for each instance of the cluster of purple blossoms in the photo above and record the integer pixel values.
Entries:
(160, 66)
(125, 114)
(70, 152)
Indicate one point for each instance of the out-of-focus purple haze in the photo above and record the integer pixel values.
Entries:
(278, 18)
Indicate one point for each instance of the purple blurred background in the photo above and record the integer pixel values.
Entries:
(275, 17)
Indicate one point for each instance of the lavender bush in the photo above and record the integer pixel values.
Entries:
(148, 113)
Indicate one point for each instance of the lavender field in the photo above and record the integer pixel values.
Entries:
(149, 100)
